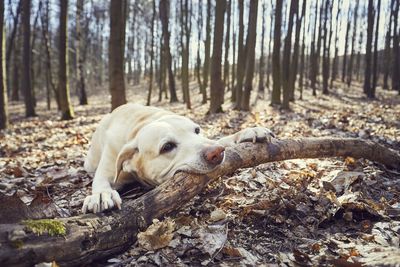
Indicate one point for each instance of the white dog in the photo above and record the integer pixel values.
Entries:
(150, 145)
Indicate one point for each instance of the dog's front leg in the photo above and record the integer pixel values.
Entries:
(253, 134)
(103, 195)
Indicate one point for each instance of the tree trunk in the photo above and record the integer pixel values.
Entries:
(250, 54)
(93, 237)
(302, 63)
(3, 78)
(80, 83)
(315, 51)
(327, 46)
(335, 61)
(26, 56)
(396, 49)
(276, 65)
(368, 55)
(116, 53)
(375, 72)
(286, 55)
(346, 46)
(185, 43)
(164, 16)
(216, 85)
(227, 38)
(199, 34)
(296, 48)
(207, 45)
(271, 36)
(10, 43)
(151, 71)
(47, 48)
(16, 70)
(233, 70)
(353, 44)
(388, 52)
(241, 57)
(262, 58)
(67, 112)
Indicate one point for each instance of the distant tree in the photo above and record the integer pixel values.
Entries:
(286, 55)
(316, 49)
(67, 112)
(164, 17)
(80, 77)
(276, 66)
(375, 66)
(227, 38)
(302, 63)
(10, 42)
(368, 54)
(396, 49)
(199, 34)
(207, 45)
(327, 46)
(233, 65)
(296, 51)
(240, 67)
(353, 45)
(346, 45)
(26, 56)
(335, 61)
(116, 53)
(271, 37)
(250, 55)
(388, 51)
(16, 66)
(151, 71)
(262, 58)
(216, 86)
(186, 25)
(50, 85)
(3, 79)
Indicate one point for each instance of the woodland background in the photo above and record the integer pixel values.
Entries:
(301, 68)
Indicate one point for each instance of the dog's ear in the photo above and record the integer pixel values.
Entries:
(127, 152)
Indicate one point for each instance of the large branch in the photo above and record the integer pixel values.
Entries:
(91, 237)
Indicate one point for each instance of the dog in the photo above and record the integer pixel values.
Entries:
(150, 145)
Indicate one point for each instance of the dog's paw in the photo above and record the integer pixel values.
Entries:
(255, 134)
(98, 202)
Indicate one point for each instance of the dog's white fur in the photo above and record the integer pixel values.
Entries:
(127, 143)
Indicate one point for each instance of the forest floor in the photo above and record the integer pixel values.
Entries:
(336, 211)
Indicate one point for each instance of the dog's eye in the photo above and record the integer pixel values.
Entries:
(167, 147)
(197, 130)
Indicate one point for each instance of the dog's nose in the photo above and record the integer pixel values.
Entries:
(214, 154)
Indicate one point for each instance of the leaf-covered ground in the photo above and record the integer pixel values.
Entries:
(342, 212)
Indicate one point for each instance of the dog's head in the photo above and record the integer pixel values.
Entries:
(166, 146)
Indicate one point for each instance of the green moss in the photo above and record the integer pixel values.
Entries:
(50, 226)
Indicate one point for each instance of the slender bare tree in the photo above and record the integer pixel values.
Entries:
(3, 80)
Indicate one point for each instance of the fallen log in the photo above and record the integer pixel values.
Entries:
(91, 237)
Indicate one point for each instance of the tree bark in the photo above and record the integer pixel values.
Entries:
(396, 49)
(164, 10)
(276, 65)
(286, 55)
(216, 85)
(261, 64)
(26, 55)
(346, 46)
(227, 38)
(47, 47)
(80, 77)
(335, 61)
(92, 237)
(250, 55)
(296, 52)
(185, 43)
(368, 55)
(241, 57)
(388, 52)
(67, 112)
(271, 36)
(375, 72)
(151, 71)
(116, 53)
(353, 45)
(3, 76)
